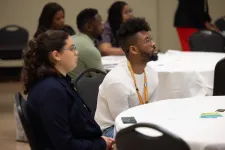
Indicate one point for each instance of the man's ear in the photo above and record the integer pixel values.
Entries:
(133, 50)
(88, 27)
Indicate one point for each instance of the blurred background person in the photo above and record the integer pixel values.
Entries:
(191, 16)
(118, 13)
(90, 26)
(52, 17)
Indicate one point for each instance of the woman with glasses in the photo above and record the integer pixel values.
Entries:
(118, 13)
(59, 117)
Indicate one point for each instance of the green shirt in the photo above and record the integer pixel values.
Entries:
(89, 55)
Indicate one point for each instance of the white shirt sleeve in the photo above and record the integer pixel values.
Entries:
(117, 98)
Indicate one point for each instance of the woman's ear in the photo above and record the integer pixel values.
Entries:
(56, 55)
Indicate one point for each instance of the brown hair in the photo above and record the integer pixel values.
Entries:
(37, 61)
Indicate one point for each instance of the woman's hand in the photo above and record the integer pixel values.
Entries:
(109, 142)
(212, 27)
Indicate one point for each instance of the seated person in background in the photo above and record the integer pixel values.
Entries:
(52, 18)
(59, 117)
(132, 82)
(118, 13)
(89, 23)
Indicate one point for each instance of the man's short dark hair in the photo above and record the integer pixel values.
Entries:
(127, 32)
(85, 16)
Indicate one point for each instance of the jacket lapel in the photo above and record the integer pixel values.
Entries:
(72, 92)
(67, 87)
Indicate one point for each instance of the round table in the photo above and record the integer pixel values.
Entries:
(181, 74)
(182, 117)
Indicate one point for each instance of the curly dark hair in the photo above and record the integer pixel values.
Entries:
(115, 17)
(85, 16)
(46, 17)
(126, 33)
(38, 62)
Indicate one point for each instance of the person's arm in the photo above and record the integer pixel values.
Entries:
(105, 46)
(212, 27)
(199, 12)
(107, 49)
(207, 19)
(54, 115)
(202, 14)
(117, 98)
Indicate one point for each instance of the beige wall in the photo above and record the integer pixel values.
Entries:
(159, 13)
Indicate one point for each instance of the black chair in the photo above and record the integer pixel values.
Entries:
(13, 41)
(219, 78)
(23, 111)
(220, 23)
(207, 41)
(130, 139)
(87, 86)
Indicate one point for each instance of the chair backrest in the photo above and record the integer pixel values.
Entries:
(87, 86)
(13, 37)
(22, 109)
(220, 23)
(219, 78)
(132, 139)
(207, 41)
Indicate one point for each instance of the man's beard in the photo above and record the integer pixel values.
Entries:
(149, 56)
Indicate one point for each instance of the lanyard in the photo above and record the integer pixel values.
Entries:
(135, 83)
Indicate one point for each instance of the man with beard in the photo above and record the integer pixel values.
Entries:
(132, 82)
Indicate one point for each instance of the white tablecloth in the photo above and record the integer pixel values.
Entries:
(181, 74)
(182, 117)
